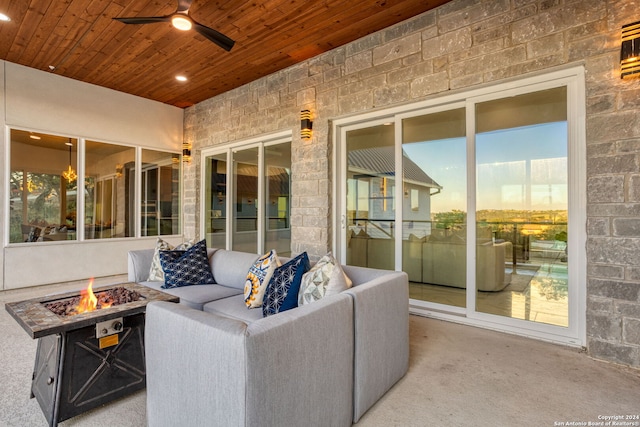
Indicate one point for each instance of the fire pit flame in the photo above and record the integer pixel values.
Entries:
(88, 300)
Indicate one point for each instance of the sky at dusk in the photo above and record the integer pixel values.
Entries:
(519, 168)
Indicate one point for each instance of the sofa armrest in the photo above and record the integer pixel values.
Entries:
(139, 264)
(287, 369)
(381, 324)
(307, 354)
(190, 356)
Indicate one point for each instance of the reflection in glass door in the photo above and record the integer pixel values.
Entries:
(215, 204)
(370, 217)
(245, 199)
(434, 241)
(522, 207)
(277, 182)
(149, 211)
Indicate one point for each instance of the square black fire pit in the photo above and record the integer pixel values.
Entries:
(86, 360)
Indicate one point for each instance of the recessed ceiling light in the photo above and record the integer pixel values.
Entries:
(4, 17)
(34, 137)
(181, 78)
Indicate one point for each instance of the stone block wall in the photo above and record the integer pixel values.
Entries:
(458, 46)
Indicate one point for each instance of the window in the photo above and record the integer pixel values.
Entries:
(45, 181)
(108, 169)
(160, 207)
(415, 200)
(42, 205)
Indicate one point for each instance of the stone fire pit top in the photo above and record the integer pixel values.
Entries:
(39, 321)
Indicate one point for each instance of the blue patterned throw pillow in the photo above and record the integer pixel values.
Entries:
(185, 268)
(282, 291)
(156, 274)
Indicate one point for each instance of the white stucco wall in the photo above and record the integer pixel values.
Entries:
(41, 101)
(47, 102)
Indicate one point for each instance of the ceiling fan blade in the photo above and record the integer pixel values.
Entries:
(184, 5)
(144, 20)
(218, 38)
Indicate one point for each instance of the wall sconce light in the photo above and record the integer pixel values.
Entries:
(630, 50)
(186, 152)
(119, 169)
(306, 125)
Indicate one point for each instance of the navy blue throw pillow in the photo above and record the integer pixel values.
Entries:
(185, 268)
(283, 288)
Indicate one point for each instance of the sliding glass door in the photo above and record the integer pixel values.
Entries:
(522, 206)
(476, 201)
(244, 217)
(277, 198)
(370, 196)
(434, 220)
(247, 197)
(215, 200)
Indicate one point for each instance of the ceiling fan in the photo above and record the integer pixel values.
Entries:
(181, 20)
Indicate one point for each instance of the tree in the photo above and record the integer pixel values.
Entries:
(449, 219)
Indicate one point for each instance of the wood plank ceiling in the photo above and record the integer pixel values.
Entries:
(80, 40)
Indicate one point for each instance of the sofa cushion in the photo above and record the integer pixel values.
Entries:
(197, 296)
(258, 278)
(325, 278)
(155, 272)
(186, 268)
(234, 277)
(282, 292)
(233, 307)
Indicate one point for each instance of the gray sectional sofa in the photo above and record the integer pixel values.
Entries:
(212, 361)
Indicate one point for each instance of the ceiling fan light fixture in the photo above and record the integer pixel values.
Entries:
(181, 22)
